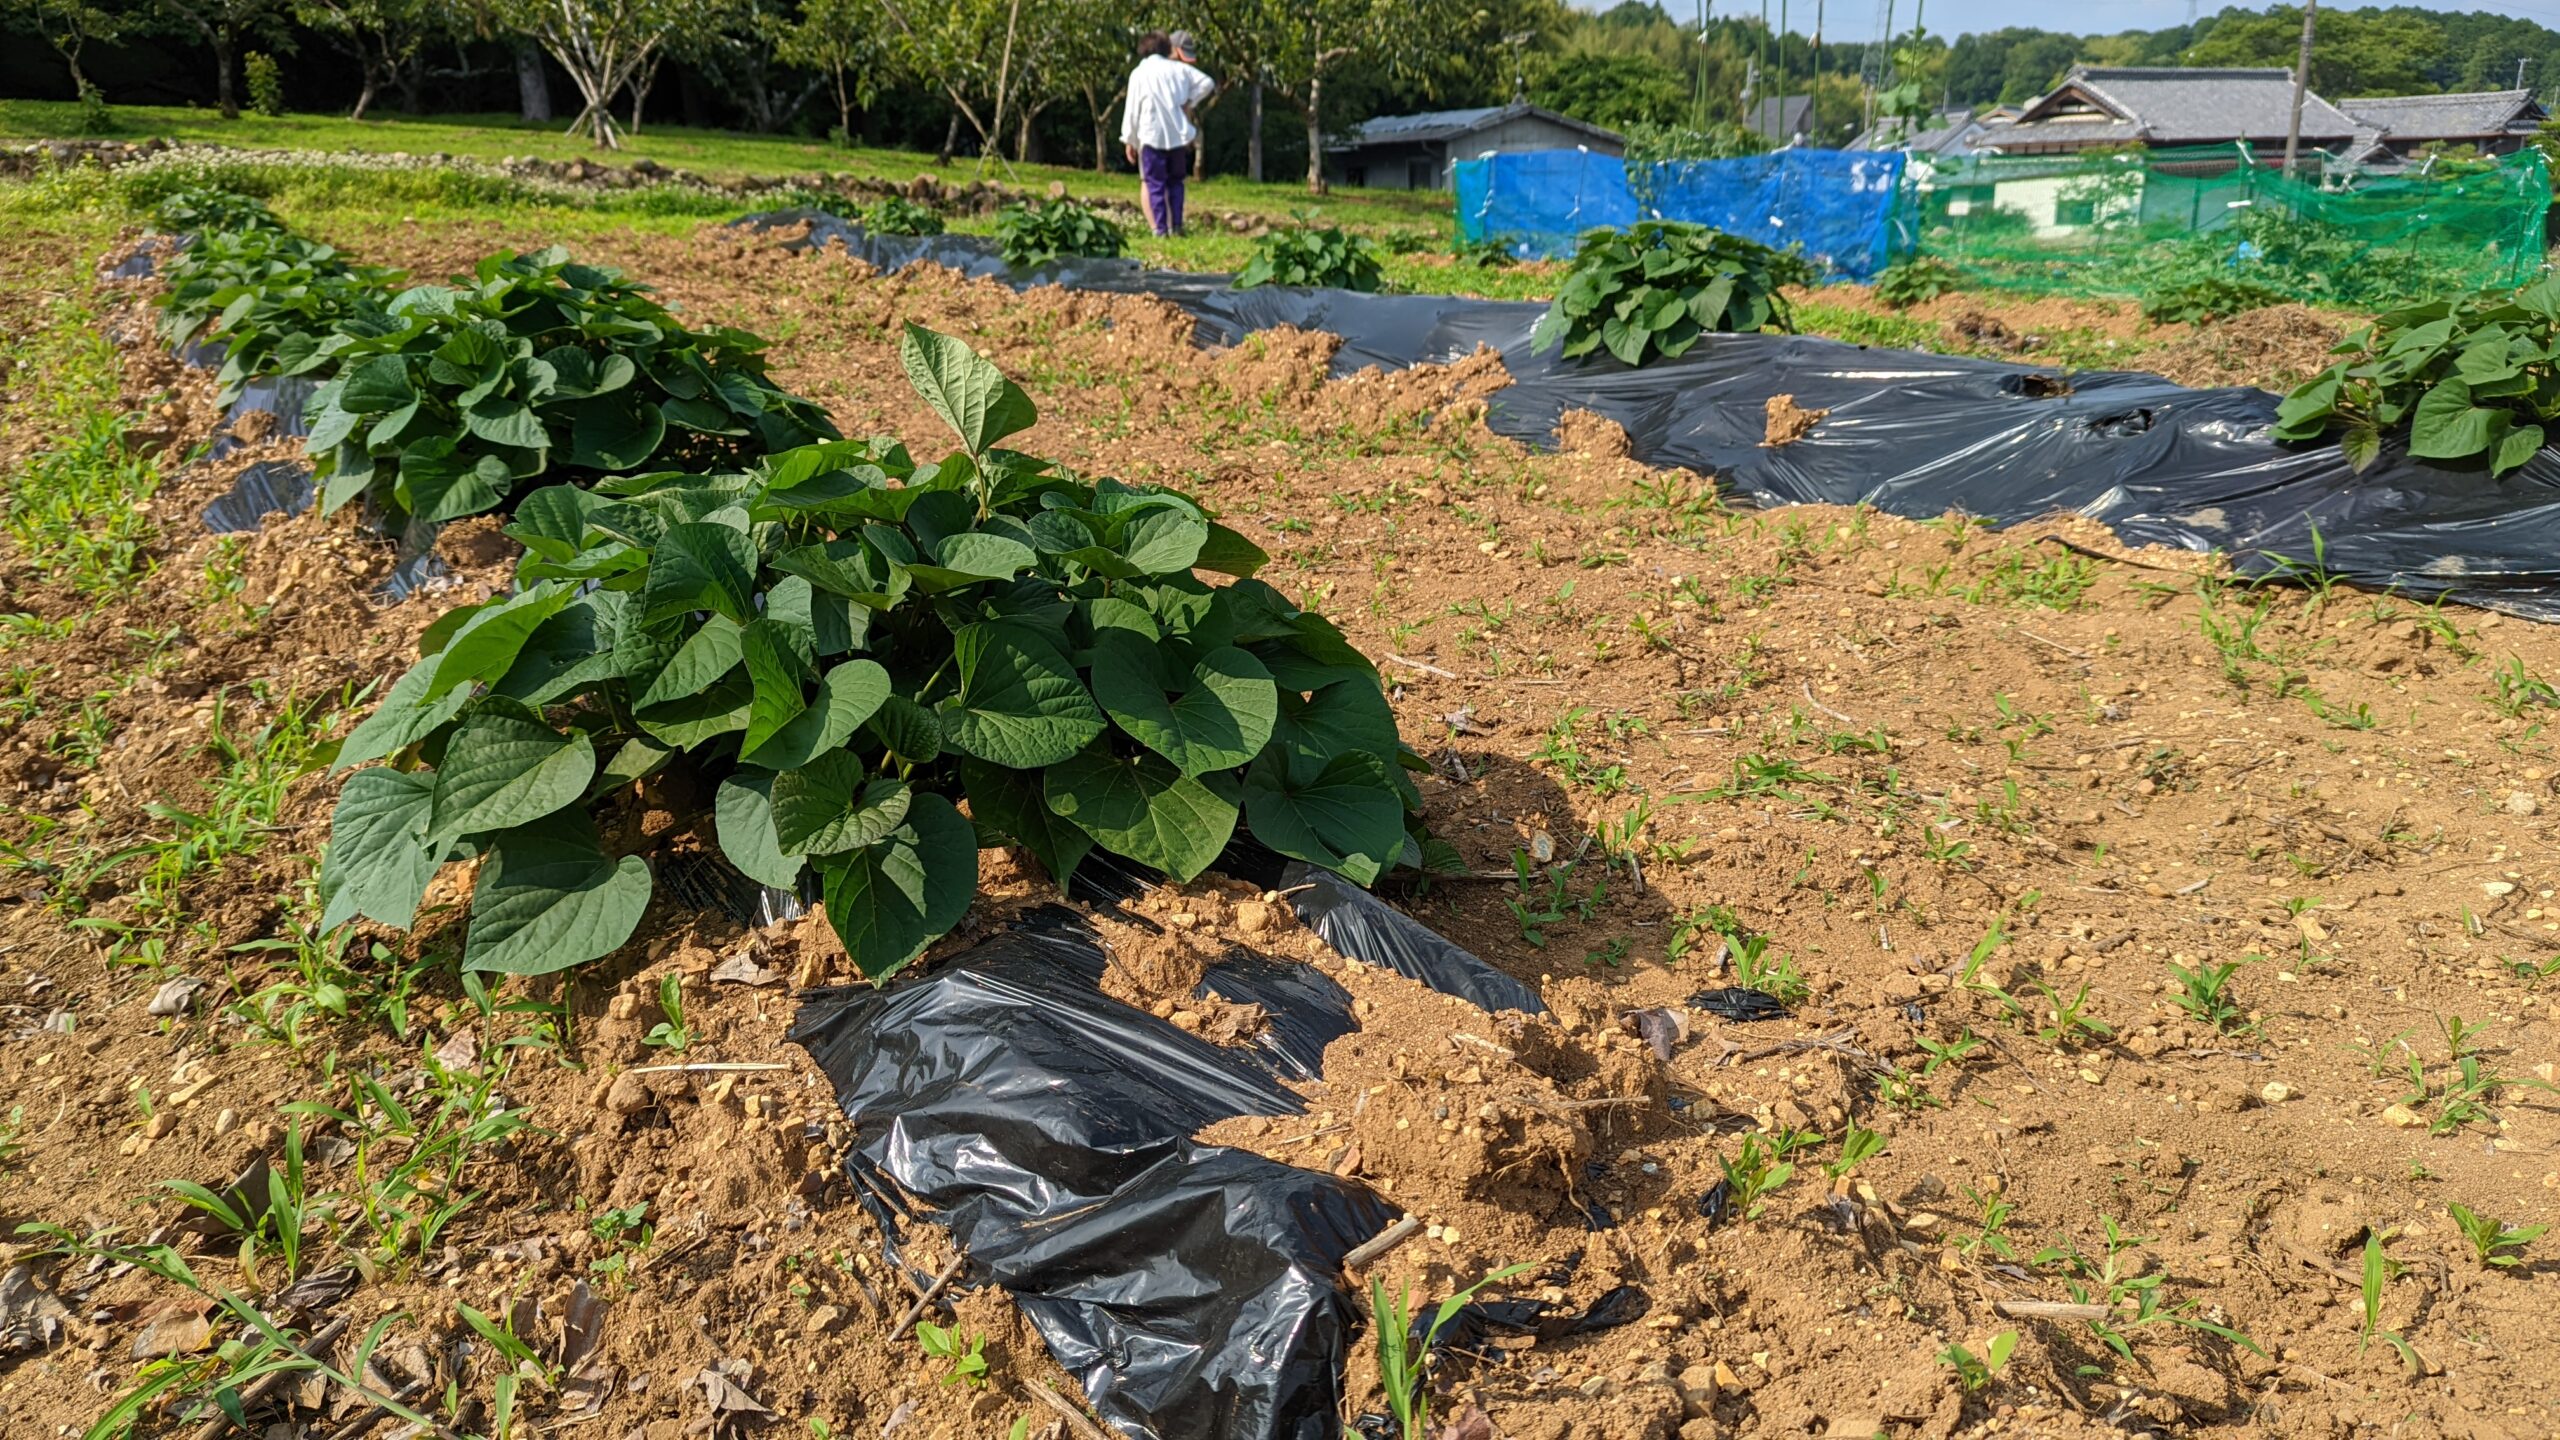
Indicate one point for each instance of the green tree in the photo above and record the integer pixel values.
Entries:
(1613, 90)
(71, 26)
(222, 25)
(845, 41)
(744, 57)
(604, 45)
(381, 36)
(2357, 52)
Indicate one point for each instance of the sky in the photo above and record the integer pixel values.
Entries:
(1857, 19)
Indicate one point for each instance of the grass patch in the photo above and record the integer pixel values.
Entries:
(76, 511)
(712, 153)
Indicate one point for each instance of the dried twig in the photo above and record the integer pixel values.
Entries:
(1825, 709)
(2056, 644)
(706, 1067)
(1379, 1244)
(1418, 665)
(917, 1309)
(1082, 1428)
(2050, 1310)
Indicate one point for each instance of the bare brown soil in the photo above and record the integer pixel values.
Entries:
(1884, 745)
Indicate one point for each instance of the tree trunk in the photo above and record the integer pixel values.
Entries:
(1315, 134)
(1022, 138)
(1253, 128)
(641, 80)
(229, 102)
(533, 86)
(950, 139)
(364, 97)
(844, 107)
(1101, 133)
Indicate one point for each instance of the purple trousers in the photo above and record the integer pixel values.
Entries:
(1162, 172)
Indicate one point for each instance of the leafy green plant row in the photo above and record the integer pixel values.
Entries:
(818, 660)
(1036, 234)
(1304, 255)
(265, 294)
(1650, 290)
(442, 401)
(2469, 380)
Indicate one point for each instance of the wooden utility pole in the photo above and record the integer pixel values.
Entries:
(2301, 79)
(1813, 88)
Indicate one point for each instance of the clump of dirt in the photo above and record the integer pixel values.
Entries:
(1974, 327)
(1589, 435)
(1161, 945)
(1789, 422)
(2274, 348)
(477, 543)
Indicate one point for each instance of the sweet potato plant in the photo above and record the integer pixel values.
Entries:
(837, 649)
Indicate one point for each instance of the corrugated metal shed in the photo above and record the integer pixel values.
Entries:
(1436, 125)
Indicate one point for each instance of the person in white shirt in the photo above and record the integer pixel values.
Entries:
(1156, 127)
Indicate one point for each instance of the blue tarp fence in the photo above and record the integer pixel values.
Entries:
(1837, 206)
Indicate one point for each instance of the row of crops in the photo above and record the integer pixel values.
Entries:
(815, 651)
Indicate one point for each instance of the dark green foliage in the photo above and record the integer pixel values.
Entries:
(1648, 143)
(830, 652)
(96, 116)
(2206, 297)
(2467, 379)
(898, 215)
(1055, 230)
(268, 296)
(198, 209)
(266, 83)
(1906, 283)
(1493, 252)
(1653, 288)
(2304, 256)
(1329, 258)
(1404, 241)
(540, 367)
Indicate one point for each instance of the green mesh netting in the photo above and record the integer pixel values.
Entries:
(2133, 223)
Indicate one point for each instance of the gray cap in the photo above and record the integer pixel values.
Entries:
(1181, 40)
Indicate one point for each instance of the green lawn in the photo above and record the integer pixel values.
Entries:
(713, 153)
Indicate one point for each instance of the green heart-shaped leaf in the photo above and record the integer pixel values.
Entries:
(549, 898)
(1142, 808)
(487, 643)
(698, 566)
(406, 716)
(685, 723)
(830, 805)
(890, 900)
(964, 388)
(848, 695)
(743, 818)
(379, 861)
(507, 767)
(1347, 817)
(1217, 717)
(706, 657)
(781, 675)
(1020, 703)
(908, 731)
